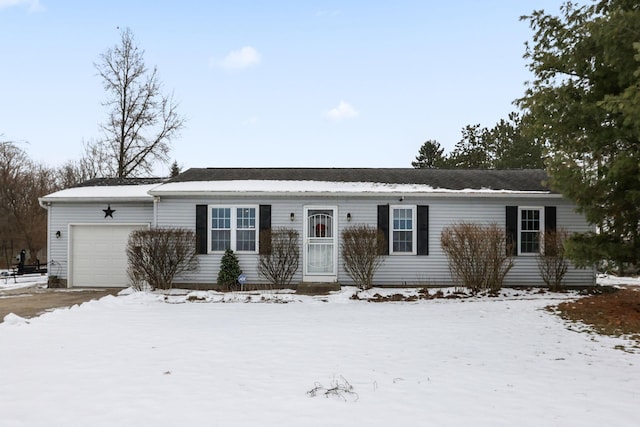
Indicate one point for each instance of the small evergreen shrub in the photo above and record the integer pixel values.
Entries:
(362, 250)
(477, 255)
(229, 271)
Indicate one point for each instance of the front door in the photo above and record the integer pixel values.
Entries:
(320, 254)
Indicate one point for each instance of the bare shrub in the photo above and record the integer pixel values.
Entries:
(339, 387)
(137, 279)
(280, 255)
(552, 262)
(362, 249)
(157, 255)
(477, 255)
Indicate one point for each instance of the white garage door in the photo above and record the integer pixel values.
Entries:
(98, 255)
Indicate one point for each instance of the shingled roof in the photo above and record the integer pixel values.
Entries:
(108, 182)
(451, 179)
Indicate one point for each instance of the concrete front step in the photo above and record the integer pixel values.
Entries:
(316, 288)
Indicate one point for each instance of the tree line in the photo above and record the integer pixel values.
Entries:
(23, 223)
(510, 144)
(580, 119)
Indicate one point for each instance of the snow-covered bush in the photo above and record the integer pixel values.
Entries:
(362, 249)
(157, 255)
(279, 255)
(478, 255)
(552, 262)
(229, 271)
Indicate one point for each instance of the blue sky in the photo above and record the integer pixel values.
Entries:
(270, 83)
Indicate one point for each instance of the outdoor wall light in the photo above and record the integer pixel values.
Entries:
(349, 216)
(58, 234)
(292, 216)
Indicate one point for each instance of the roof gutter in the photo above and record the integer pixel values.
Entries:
(445, 193)
(42, 200)
(43, 204)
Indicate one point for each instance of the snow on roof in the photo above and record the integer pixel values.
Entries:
(345, 182)
(451, 179)
(293, 187)
(102, 192)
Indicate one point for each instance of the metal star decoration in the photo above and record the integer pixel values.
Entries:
(108, 211)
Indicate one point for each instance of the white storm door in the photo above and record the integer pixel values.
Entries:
(320, 252)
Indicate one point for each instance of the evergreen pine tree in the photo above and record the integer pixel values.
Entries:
(175, 169)
(585, 103)
(229, 270)
(429, 156)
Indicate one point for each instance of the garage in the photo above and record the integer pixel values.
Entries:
(98, 254)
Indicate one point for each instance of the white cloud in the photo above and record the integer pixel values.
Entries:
(34, 5)
(343, 111)
(240, 59)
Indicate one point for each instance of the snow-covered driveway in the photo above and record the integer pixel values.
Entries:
(138, 361)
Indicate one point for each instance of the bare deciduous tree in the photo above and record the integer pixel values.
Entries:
(142, 121)
(92, 164)
(362, 250)
(12, 165)
(280, 255)
(23, 222)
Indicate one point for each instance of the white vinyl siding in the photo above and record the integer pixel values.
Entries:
(396, 270)
(62, 215)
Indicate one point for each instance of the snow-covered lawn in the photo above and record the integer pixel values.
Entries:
(9, 282)
(138, 360)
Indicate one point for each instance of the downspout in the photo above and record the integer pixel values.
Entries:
(156, 202)
(47, 206)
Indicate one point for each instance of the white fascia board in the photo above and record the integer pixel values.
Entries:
(452, 194)
(49, 200)
(121, 193)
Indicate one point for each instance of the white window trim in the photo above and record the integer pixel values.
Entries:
(541, 241)
(414, 230)
(234, 227)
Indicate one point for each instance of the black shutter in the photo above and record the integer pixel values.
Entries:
(512, 230)
(383, 225)
(423, 230)
(549, 224)
(201, 229)
(264, 228)
(549, 218)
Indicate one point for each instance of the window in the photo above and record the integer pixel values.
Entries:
(530, 225)
(403, 230)
(246, 229)
(233, 228)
